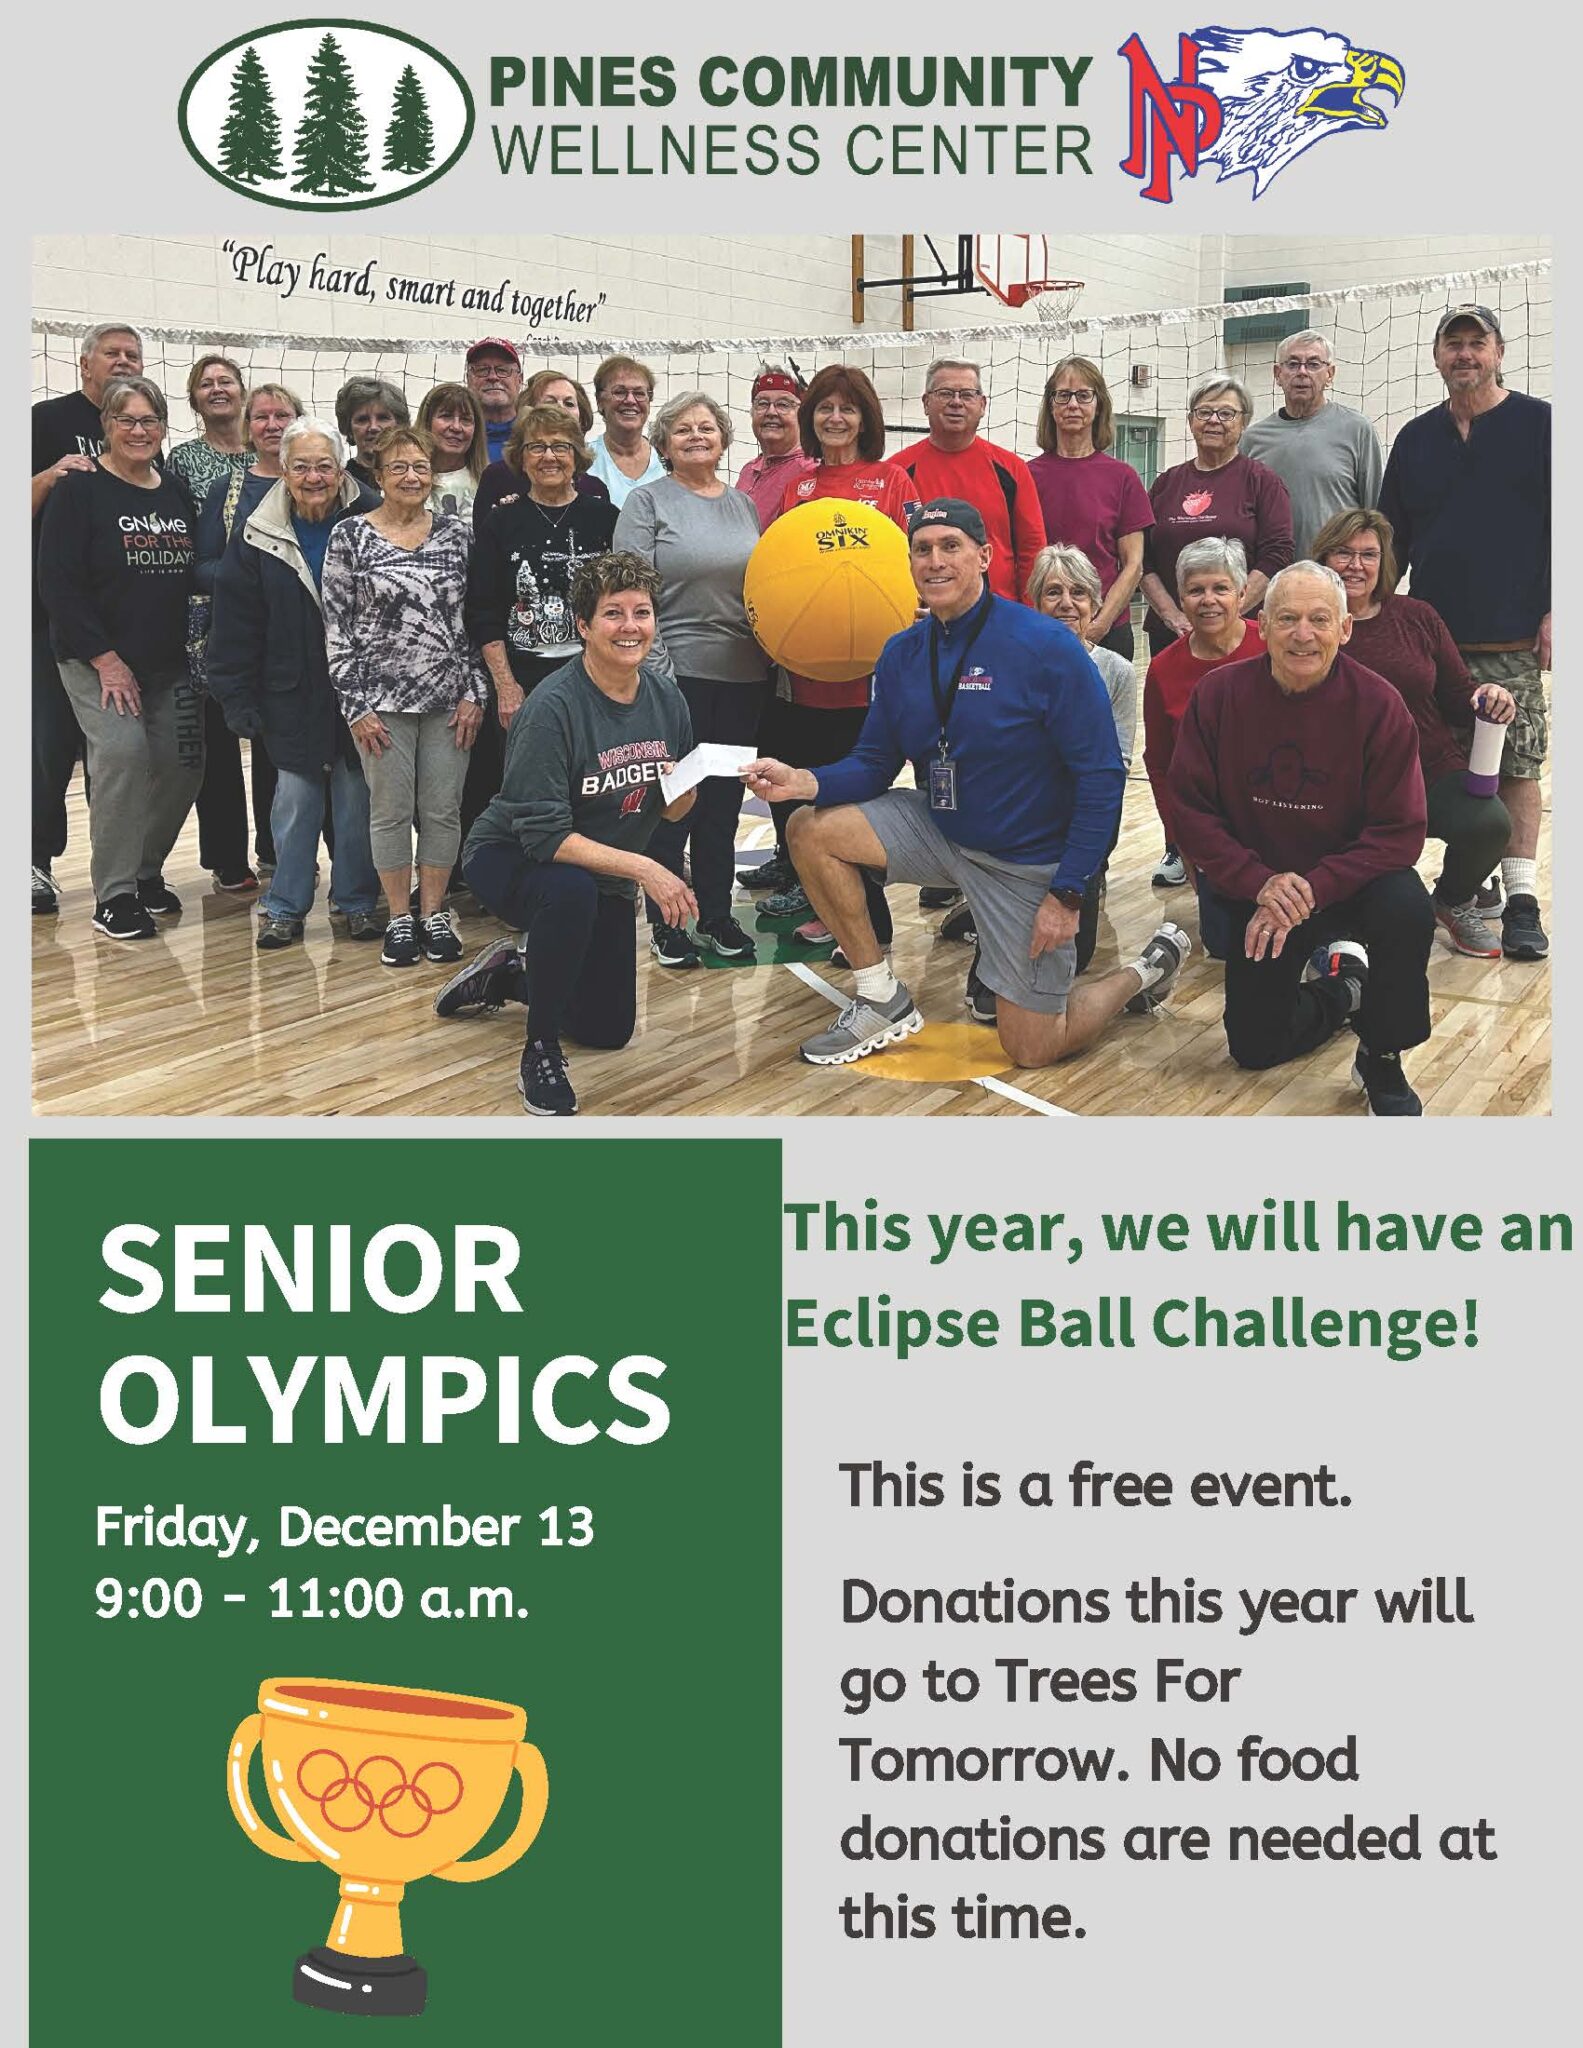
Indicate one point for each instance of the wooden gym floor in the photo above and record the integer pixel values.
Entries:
(196, 1022)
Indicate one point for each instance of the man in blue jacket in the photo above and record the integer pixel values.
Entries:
(1020, 784)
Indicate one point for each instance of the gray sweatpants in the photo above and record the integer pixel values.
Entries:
(143, 775)
(420, 773)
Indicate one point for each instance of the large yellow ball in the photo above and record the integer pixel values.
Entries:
(827, 586)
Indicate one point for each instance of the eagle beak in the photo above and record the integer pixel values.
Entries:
(1346, 102)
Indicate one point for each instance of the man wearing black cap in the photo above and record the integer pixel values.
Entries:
(1467, 492)
(494, 376)
(1008, 725)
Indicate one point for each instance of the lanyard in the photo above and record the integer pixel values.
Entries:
(975, 627)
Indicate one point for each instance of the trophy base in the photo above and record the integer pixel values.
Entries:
(385, 1987)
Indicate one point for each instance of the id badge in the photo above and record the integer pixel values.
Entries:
(942, 785)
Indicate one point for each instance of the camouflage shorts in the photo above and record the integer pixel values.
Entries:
(1528, 735)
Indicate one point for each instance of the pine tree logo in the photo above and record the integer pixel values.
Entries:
(409, 140)
(250, 139)
(326, 92)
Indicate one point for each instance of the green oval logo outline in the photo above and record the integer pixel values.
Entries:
(357, 205)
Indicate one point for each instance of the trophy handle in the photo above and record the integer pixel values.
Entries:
(535, 1797)
(238, 1762)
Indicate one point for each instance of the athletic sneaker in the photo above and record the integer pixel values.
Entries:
(814, 933)
(123, 917)
(671, 946)
(275, 934)
(723, 935)
(862, 1028)
(960, 927)
(235, 882)
(365, 925)
(402, 947)
(157, 900)
(1171, 873)
(542, 1080)
(1380, 1076)
(489, 981)
(1168, 949)
(1342, 959)
(1522, 935)
(775, 873)
(938, 899)
(438, 939)
(980, 1000)
(1467, 930)
(1491, 895)
(46, 893)
(792, 901)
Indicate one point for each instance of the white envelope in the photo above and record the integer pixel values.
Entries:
(709, 759)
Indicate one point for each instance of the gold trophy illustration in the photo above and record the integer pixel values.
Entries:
(383, 1784)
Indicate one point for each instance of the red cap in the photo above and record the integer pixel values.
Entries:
(777, 380)
(506, 348)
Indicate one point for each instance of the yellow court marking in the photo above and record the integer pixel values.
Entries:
(942, 1052)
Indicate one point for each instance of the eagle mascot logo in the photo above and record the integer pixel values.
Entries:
(1250, 100)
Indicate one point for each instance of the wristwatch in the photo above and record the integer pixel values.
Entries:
(1069, 899)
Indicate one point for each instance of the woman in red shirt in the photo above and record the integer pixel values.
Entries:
(1212, 577)
(840, 424)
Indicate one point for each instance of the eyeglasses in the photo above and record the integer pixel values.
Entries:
(1083, 397)
(138, 423)
(952, 391)
(1217, 412)
(774, 405)
(1363, 558)
(547, 448)
(313, 468)
(628, 391)
(407, 469)
(1305, 363)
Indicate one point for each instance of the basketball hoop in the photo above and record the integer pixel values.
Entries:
(1055, 303)
(1017, 268)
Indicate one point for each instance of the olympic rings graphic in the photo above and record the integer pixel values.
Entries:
(349, 1799)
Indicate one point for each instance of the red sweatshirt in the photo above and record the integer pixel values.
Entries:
(998, 485)
(1174, 674)
(1325, 785)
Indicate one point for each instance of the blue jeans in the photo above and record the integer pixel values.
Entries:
(295, 820)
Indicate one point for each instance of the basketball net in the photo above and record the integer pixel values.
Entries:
(1055, 303)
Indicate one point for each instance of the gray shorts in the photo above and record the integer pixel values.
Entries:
(1003, 898)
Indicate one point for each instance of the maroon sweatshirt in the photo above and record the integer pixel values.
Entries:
(1409, 644)
(1325, 785)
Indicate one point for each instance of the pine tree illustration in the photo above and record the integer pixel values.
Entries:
(409, 140)
(250, 139)
(332, 137)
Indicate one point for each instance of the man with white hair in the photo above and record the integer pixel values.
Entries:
(1327, 455)
(955, 461)
(67, 434)
(1296, 789)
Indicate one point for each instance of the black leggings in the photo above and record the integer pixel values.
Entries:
(1273, 1015)
(728, 713)
(1476, 830)
(809, 737)
(581, 953)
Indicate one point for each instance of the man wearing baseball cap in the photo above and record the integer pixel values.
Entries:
(1467, 492)
(494, 376)
(775, 398)
(1007, 723)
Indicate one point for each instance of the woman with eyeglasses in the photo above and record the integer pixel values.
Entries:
(1407, 642)
(410, 685)
(115, 568)
(519, 613)
(1091, 500)
(501, 483)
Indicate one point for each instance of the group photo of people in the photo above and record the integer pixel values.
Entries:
(1181, 779)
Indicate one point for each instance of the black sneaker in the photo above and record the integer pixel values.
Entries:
(1522, 935)
(723, 935)
(980, 1000)
(1342, 960)
(365, 925)
(671, 946)
(960, 927)
(775, 873)
(438, 939)
(46, 896)
(938, 899)
(490, 980)
(157, 900)
(401, 947)
(542, 1080)
(1380, 1076)
(123, 917)
(235, 882)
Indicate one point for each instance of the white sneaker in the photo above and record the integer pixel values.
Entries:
(862, 1028)
(1169, 950)
(1171, 873)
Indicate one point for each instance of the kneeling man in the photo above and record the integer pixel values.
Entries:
(1297, 790)
(1020, 784)
(559, 855)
